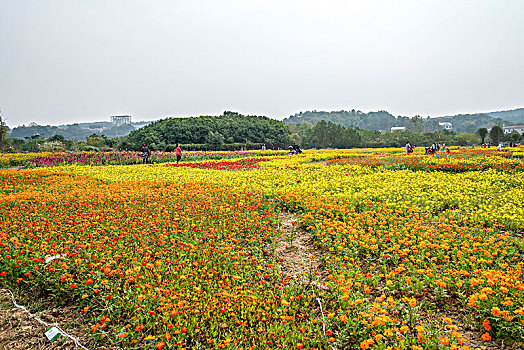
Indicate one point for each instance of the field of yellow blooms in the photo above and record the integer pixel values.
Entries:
(418, 252)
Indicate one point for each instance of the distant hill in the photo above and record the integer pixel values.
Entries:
(78, 131)
(515, 116)
(380, 120)
(383, 120)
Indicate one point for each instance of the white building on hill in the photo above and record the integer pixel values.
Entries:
(446, 125)
(514, 128)
(398, 128)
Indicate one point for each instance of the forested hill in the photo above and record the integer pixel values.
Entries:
(229, 128)
(383, 120)
(380, 120)
(516, 116)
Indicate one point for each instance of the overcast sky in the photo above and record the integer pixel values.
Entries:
(72, 61)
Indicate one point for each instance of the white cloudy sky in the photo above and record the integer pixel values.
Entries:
(64, 61)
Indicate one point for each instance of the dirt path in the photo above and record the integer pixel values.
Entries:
(19, 331)
(296, 253)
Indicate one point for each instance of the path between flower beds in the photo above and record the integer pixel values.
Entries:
(295, 252)
(19, 331)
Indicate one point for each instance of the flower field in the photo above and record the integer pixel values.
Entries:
(46, 159)
(418, 252)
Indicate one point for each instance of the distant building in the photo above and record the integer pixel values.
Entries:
(514, 128)
(120, 119)
(446, 125)
(398, 128)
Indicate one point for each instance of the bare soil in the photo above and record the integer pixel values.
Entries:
(18, 330)
(296, 253)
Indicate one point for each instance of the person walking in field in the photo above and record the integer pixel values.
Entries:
(409, 149)
(178, 152)
(145, 153)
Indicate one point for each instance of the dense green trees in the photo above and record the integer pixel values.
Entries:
(383, 120)
(496, 134)
(214, 131)
(380, 120)
(325, 135)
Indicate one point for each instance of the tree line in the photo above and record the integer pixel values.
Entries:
(233, 131)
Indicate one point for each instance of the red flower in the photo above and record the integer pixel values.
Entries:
(160, 345)
(73, 285)
(108, 297)
(90, 281)
(3, 273)
(183, 329)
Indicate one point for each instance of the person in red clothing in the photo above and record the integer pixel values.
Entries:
(178, 153)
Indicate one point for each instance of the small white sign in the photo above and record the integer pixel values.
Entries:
(52, 333)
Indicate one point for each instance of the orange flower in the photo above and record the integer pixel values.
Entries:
(486, 337)
(495, 312)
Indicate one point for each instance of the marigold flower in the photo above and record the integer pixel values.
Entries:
(495, 311)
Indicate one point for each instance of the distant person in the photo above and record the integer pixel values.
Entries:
(499, 147)
(263, 147)
(145, 153)
(178, 152)
(408, 148)
(443, 147)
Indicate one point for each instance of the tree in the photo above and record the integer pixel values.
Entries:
(482, 132)
(496, 134)
(215, 138)
(515, 137)
(3, 133)
(416, 124)
(467, 138)
(94, 140)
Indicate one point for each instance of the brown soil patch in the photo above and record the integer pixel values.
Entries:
(296, 253)
(18, 330)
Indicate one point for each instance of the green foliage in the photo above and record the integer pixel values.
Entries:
(380, 120)
(468, 139)
(482, 132)
(3, 134)
(515, 116)
(496, 134)
(383, 120)
(73, 131)
(215, 131)
(515, 137)
(416, 125)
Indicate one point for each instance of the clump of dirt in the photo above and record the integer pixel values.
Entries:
(18, 330)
